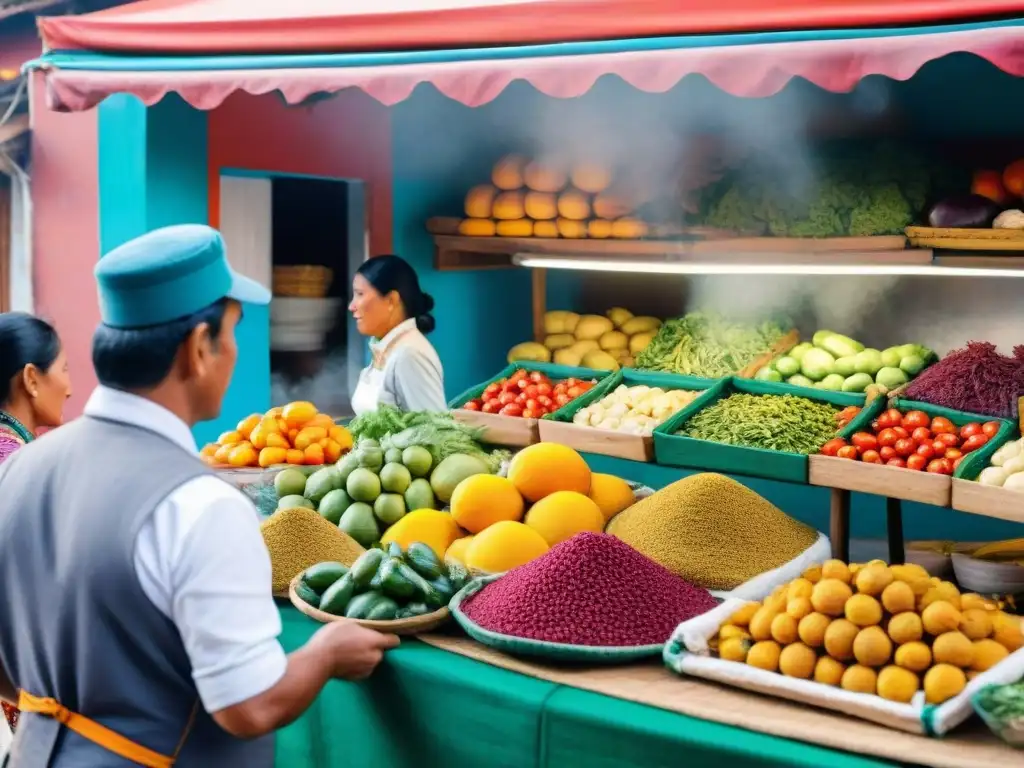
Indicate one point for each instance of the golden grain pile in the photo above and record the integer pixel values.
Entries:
(298, 538)
(712, 531)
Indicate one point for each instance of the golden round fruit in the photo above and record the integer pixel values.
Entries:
(765, 655)
(761, 624)
(872, 647)
(873, 578)
(830, 596)
(942, 682)
(734, 649)
(953, 648)
(1007, 631)
(730, 630)
(784, 629)
(940, 616)
(859, 679)
(972, 600)
(905, 628)
(799, 588)
(943, 591)
(797, 660)
(835, 569)
(839, 639)
(813, 574)
(976, 623)
(897, 684)
(744, 614)
(898, 597)
(987, 653)
(915, 656)
(811, 629)
(863, 610)
(828, 671)
(798, 607)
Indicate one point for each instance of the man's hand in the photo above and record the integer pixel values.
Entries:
(354, 650)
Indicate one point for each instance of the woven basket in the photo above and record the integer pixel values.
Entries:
(302, 282)
(563, 652)
(413, 626)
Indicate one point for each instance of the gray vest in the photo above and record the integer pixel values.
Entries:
(75, 624)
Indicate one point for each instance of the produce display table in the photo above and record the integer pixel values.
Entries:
(425, 707)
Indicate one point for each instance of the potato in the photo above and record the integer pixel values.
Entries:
(600, 360)
(613, 340)
(569, 357)
(529, 351)
(640, 325)
(560, 321)
(557, 341)
(638, 342)
(584, 346)
(593, 327)
(619, 316)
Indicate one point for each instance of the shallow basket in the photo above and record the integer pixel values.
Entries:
(412, 626)
(541, 649)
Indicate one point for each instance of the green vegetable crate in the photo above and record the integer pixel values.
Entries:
(680, 451)
(514, 430)
(559, 427)
(897, 482)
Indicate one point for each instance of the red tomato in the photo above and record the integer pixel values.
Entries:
(848, 413)
(901, 432)
(523, 384)
(491, 406)
(532, 405)
(521, 373)
(922, 435)
(905, 447)
(875, 426)
(974, 442)
(887, 437)
(507, 397)
(916, 462)
(970, 429)
(894, 416)
(954, 453)
(990, 428)
(915, 419)
(939, 447)
(897, 462)
(956, 462)
(942, 425)
(949, 439)
(871, 457)
(492, 390)
(472, 405)
(864, 441)
(537, 377)
(531, 414)
(545, 401)
(574, 391)
(530, 390)
(510, 386)
(561, 399)
(927, 450)
(885, 420)
(940, 467)
(847, 452)
(888, 452)
(544, 388)
(512, 409)
(831, 448)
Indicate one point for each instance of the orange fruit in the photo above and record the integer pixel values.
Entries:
(277, 440)
(308, 436)
(332, 451)
(209, 450)
(243, 455)
(295, 456)
(341, 436)
(230, 438)
(313, 454)
(320, 420)
(273, 413)
(297, 414)
(260, 435)
(271, 456)
(248, 424)
(222, 453)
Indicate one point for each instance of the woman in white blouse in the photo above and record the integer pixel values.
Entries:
(389, 307)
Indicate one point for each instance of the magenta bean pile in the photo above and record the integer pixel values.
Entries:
(591, 590)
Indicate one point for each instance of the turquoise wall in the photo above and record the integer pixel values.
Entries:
(153, 173)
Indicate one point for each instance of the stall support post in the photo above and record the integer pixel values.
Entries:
(894, 530)
(839, 528)
(539, 285)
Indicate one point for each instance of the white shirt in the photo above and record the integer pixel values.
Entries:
(202, 562)
(406, 372)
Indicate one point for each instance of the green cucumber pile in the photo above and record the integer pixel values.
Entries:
(383, 584)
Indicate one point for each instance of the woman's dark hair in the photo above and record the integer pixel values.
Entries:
(393, 273)
(24, 340)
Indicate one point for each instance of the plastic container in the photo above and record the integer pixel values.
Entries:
(1009, 730)
(986, 577)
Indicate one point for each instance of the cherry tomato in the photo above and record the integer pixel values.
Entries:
(954, 453)
(537, 377)
(922, 435)
(521, 373)
(888, 452)
(885, 421)
(915, 419)
(544, 388)
(956, 462)
(491, 406)
(847, 452)
(875, 426)
(905, 446)
(831, 448)
(916, 462)
(940, 467)
(887, 437)
(492, 390)
(974, 442)
(939, 447)
(521, 398)
(561, 399)
(512, 409)
(969, 429)
(472, 405)
(574, 392)
(523, 384)
(926, 450)
(896, 462)
(864, 441)
(990, 428)
(531, 414)
(545, 401)
(942, 425)
(871, 457)
(901, 432)
(531, 405)
(510, 386)
(949, 439)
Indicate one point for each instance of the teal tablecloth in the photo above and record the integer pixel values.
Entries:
(427, 708)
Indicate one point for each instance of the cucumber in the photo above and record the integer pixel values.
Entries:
(364, 569)
(393, 582)
(383, 610)
(431, 594)
(458, 575)
(424, 560)
(415, 609)
(322, 575)
(307, 594)
(361, 605)
(394, 550)
(375, 582)
(337, 597)
(443, 585)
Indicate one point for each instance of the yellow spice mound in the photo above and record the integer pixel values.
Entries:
(298, 538)
(712, 531)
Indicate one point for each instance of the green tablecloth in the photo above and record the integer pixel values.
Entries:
(426, 707)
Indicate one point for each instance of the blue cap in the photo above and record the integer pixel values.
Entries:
(169, 274)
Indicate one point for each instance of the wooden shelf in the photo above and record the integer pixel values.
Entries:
(891, 482)
(987, 500)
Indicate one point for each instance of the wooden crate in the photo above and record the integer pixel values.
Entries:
(987, 500)
(501, 430)
(606, 442)
(880, 480)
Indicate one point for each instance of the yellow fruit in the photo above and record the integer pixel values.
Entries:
(243, 455)
(839, 639)
(544, 468)
(483, 500)
(743, 615)
(479, 200)
(295, 456)
(873, 578)
(872, 647)
(915, 656)
(508, 206)
(502, 547)
(940, 617)
(545, 176)
(863, 610)
(971, 601)
(573, 205)
(813, 574)
(308, 436)
(298, 413)
(761, 624)
(828, 671)
(798, 607)
(248, 424)
(562, 515)
(508, 172)
(943, 682)
(797, 660)
(898, 597)
(914, 576)
(341, 436)
(456, 553)
(730, 631)
(478, 227)
(514, 228)
(943, 591)
(897, 684)
(765, 655)
(734, 649)
(859, 679)
(799, 588)
(591, 177)
(987, 653)
(835, 569)
(811, 629)
(611, 494)
(976, 623)
(540, 206)
(777, 599)
(230, 438)
(271, 456)
(905, 628)
(784, 629)
(953, 648)
(830, 596)
(1007, 631)
(435, 529)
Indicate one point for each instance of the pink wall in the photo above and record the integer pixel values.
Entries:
(65, 187)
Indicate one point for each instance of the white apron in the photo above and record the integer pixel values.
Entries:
(370, 391)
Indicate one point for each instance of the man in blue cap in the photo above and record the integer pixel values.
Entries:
(151, 635)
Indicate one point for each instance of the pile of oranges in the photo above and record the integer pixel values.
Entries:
(294, 434)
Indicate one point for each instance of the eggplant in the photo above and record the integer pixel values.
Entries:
(964, 212)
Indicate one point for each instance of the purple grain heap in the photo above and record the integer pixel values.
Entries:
(590, 590)
(976, 380)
